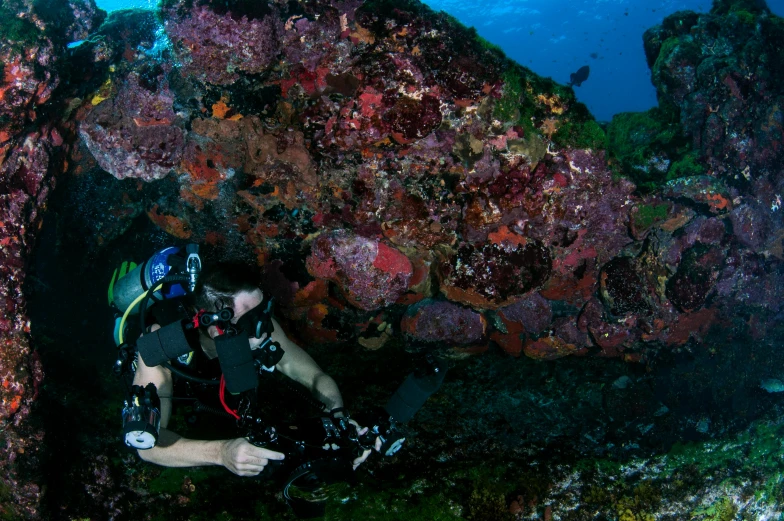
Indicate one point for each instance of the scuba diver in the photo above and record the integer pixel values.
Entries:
(213, 329)
(231, 289)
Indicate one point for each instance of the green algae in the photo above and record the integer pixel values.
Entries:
(687, 166)
(649, 214)
(725, 7)
(507, 108)
(757, 451)
(641, 504)
(649, 147)
(18, 32)
(722, 510)
(745, 17)
(684, 49)
(586, 135)
(489, 46)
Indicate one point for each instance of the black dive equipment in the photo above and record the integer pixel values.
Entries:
(164, 344)
(220, 318)
(142, 417)
(169, 273)
(150, 273)
(236, 362)
(239, 363)
(320, 451)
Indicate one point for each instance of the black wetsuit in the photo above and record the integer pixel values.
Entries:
(202, 400)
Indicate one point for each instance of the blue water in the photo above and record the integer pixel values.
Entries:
(114, 5)
(556, 37)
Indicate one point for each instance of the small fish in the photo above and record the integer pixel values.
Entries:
(622, 383)
(92, 39)
(772, 385)
(577, 78)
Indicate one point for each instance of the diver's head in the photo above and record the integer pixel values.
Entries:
(229, 285)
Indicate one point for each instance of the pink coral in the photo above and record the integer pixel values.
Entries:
(372, 274)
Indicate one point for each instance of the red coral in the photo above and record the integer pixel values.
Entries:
(370, 274)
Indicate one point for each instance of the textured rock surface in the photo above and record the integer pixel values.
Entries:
(31, 36)
(410, 189)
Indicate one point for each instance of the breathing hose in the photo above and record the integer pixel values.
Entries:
(128, 312)
(189, 376)
(150, 292)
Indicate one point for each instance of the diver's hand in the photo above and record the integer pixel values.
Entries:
(361, 459)
(245, 459)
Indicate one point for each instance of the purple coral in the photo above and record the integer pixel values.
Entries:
(430, 321)
(215, 48)
(86, 19)
(534, 313)
(134, 134)
(695, 278)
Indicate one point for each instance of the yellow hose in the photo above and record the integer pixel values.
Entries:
(130, 308)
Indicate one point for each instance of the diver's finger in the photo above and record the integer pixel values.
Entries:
(361, 459)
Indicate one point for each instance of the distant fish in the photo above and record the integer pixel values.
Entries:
(577, 78)
(772, 385)
(78, 43)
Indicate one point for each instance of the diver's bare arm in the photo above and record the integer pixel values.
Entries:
(172, 450)
(300, 367)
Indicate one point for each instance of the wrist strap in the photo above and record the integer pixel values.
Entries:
(339, 410)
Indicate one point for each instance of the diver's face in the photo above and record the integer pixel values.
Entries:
(244, 301)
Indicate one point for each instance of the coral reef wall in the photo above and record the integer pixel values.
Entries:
(32, 37)
(398, 177)
(389, 167)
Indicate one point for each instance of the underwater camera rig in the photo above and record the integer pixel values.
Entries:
(320, 451)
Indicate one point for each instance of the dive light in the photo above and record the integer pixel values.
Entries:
(142, 417)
